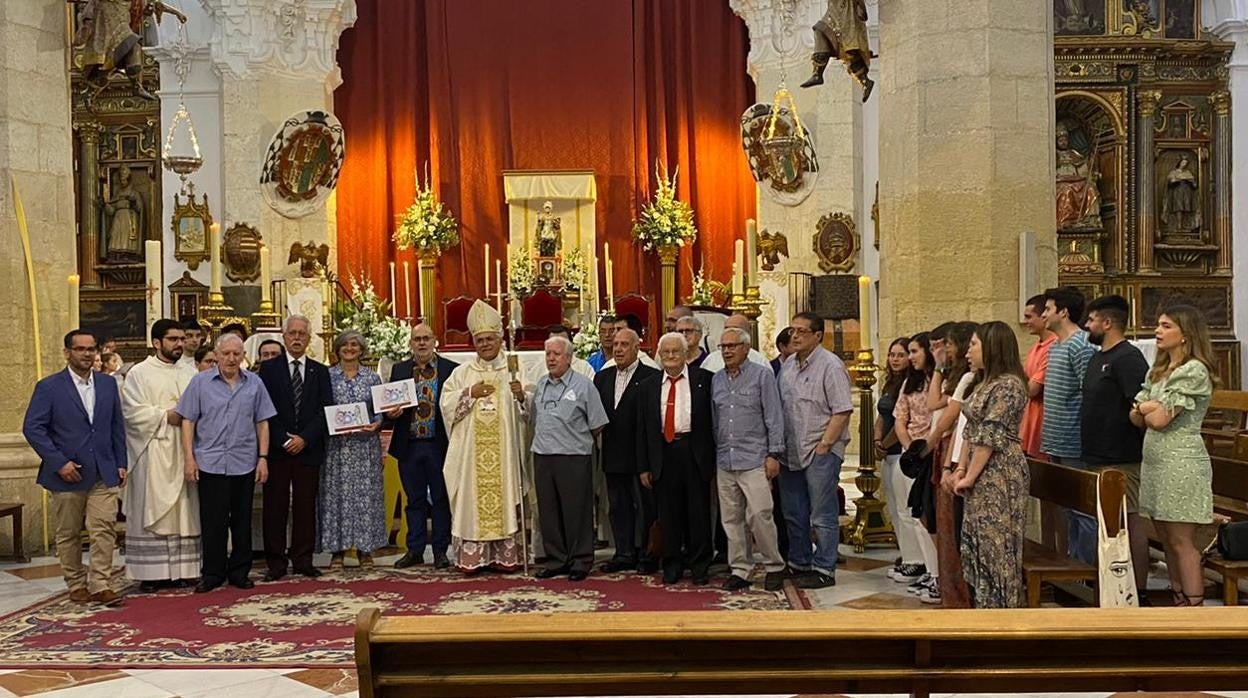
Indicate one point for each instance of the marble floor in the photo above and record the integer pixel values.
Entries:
(861, 585)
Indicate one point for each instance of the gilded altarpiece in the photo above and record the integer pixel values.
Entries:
(117, 173)
(1142, 150)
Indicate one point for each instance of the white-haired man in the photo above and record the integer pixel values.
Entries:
(676, 457)
(715, 360)
(749, 432)
(691, 329)
(565, 414)
(225, 415)
(300, 390)
(480, 405)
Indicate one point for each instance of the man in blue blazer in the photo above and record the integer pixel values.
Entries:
(419, 445)
(74, 424)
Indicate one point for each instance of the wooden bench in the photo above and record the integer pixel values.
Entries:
(802, 652)
(1230, 491)
(13, 510)
(1074, 489)
(1226, 424)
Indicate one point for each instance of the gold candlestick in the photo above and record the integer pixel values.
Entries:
(871, 525)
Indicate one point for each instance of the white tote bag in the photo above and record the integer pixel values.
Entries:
(1116, 575)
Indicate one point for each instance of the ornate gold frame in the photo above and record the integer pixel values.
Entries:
(233, 273)
(188, 209)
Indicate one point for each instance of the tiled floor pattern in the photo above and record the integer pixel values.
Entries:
(861, 585)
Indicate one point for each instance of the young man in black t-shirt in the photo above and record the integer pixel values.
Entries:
(1110, 440)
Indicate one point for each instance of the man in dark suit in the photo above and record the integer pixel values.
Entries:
(676, 456)
(419, 445)
(618, 387)
(74, 423)
(299, 389)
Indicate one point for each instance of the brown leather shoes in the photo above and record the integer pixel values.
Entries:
(80, 595)
(108, 597)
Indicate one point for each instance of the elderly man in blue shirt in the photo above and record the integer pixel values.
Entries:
(749, 433)
(225, 442)
(567, 414)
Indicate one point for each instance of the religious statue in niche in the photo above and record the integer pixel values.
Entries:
(1078, 198)
(108, 36)
(549, 233)
(1180, 19)
(842, 33)
(1180, 209)
(125, 214)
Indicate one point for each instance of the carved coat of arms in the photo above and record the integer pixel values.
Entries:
(302, 164)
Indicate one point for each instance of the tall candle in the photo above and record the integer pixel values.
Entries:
(738, 269)
(610, 283)
(154, 284)
(498, 282)
(487, 271)
(407, 289)
(73, 301)
(751, 252)
(266, 276)
(394, 301)
(864, 312)
(214, 256)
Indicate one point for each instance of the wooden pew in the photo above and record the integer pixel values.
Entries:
(1074, 489)
(1226, 424)
(802, 652)
(1230, 492)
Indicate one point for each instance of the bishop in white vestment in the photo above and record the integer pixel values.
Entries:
(161, 508)
(480, 406)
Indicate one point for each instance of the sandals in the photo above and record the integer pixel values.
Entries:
(1181, 599)
(336, 562)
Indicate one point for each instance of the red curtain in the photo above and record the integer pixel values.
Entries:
(475, 87)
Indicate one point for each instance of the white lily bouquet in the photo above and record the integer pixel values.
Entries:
(666, 220)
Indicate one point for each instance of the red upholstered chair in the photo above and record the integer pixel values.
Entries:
(639, 305)
(538, 313)
(456, 336)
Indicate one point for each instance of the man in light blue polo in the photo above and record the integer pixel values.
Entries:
(566, 414)
(817, 396)
(749, 438)
(225, 442)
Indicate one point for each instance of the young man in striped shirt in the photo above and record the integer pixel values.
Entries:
(1060, 435)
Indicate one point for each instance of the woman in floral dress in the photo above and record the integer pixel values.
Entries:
(350, 504)
(1176, 477)
(992, 474)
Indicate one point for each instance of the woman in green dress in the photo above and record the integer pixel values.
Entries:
(1176, 478)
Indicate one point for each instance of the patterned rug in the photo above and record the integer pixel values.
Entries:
(301, 622)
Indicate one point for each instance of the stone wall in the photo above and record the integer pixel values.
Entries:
(35, 150)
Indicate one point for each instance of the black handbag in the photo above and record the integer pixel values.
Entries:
(913, 464)
(1233, 541)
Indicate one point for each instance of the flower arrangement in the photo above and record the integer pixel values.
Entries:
(701, 292)
(575, 275)
(520, 277)
(666, 220)
(587, 340)
(427, 225)
(367, 313)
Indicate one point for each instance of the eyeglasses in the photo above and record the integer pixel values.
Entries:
(802, 330)
(724, 346)
(689, 331)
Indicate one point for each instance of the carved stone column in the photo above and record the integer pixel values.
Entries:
(88, 195)
(1147, 101)
(1221, 101)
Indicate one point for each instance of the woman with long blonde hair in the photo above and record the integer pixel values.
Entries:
(1176, 477)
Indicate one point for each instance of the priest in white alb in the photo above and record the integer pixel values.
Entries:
(161, 507)
(481, 407)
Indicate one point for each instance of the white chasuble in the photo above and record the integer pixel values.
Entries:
(156, 494)
(482, 468)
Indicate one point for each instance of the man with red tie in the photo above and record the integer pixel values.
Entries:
(676, 458)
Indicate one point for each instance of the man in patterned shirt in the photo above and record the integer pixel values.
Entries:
(1060, 434)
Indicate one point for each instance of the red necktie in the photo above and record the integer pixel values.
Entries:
(669, 417)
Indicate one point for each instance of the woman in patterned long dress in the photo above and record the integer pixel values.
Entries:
(350, 503)
(1176, 477)
(992, 474)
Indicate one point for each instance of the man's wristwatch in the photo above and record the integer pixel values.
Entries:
(263, 455)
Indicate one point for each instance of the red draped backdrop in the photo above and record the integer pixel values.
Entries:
(475, 87)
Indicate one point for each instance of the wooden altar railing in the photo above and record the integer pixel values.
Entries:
(903, 651)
